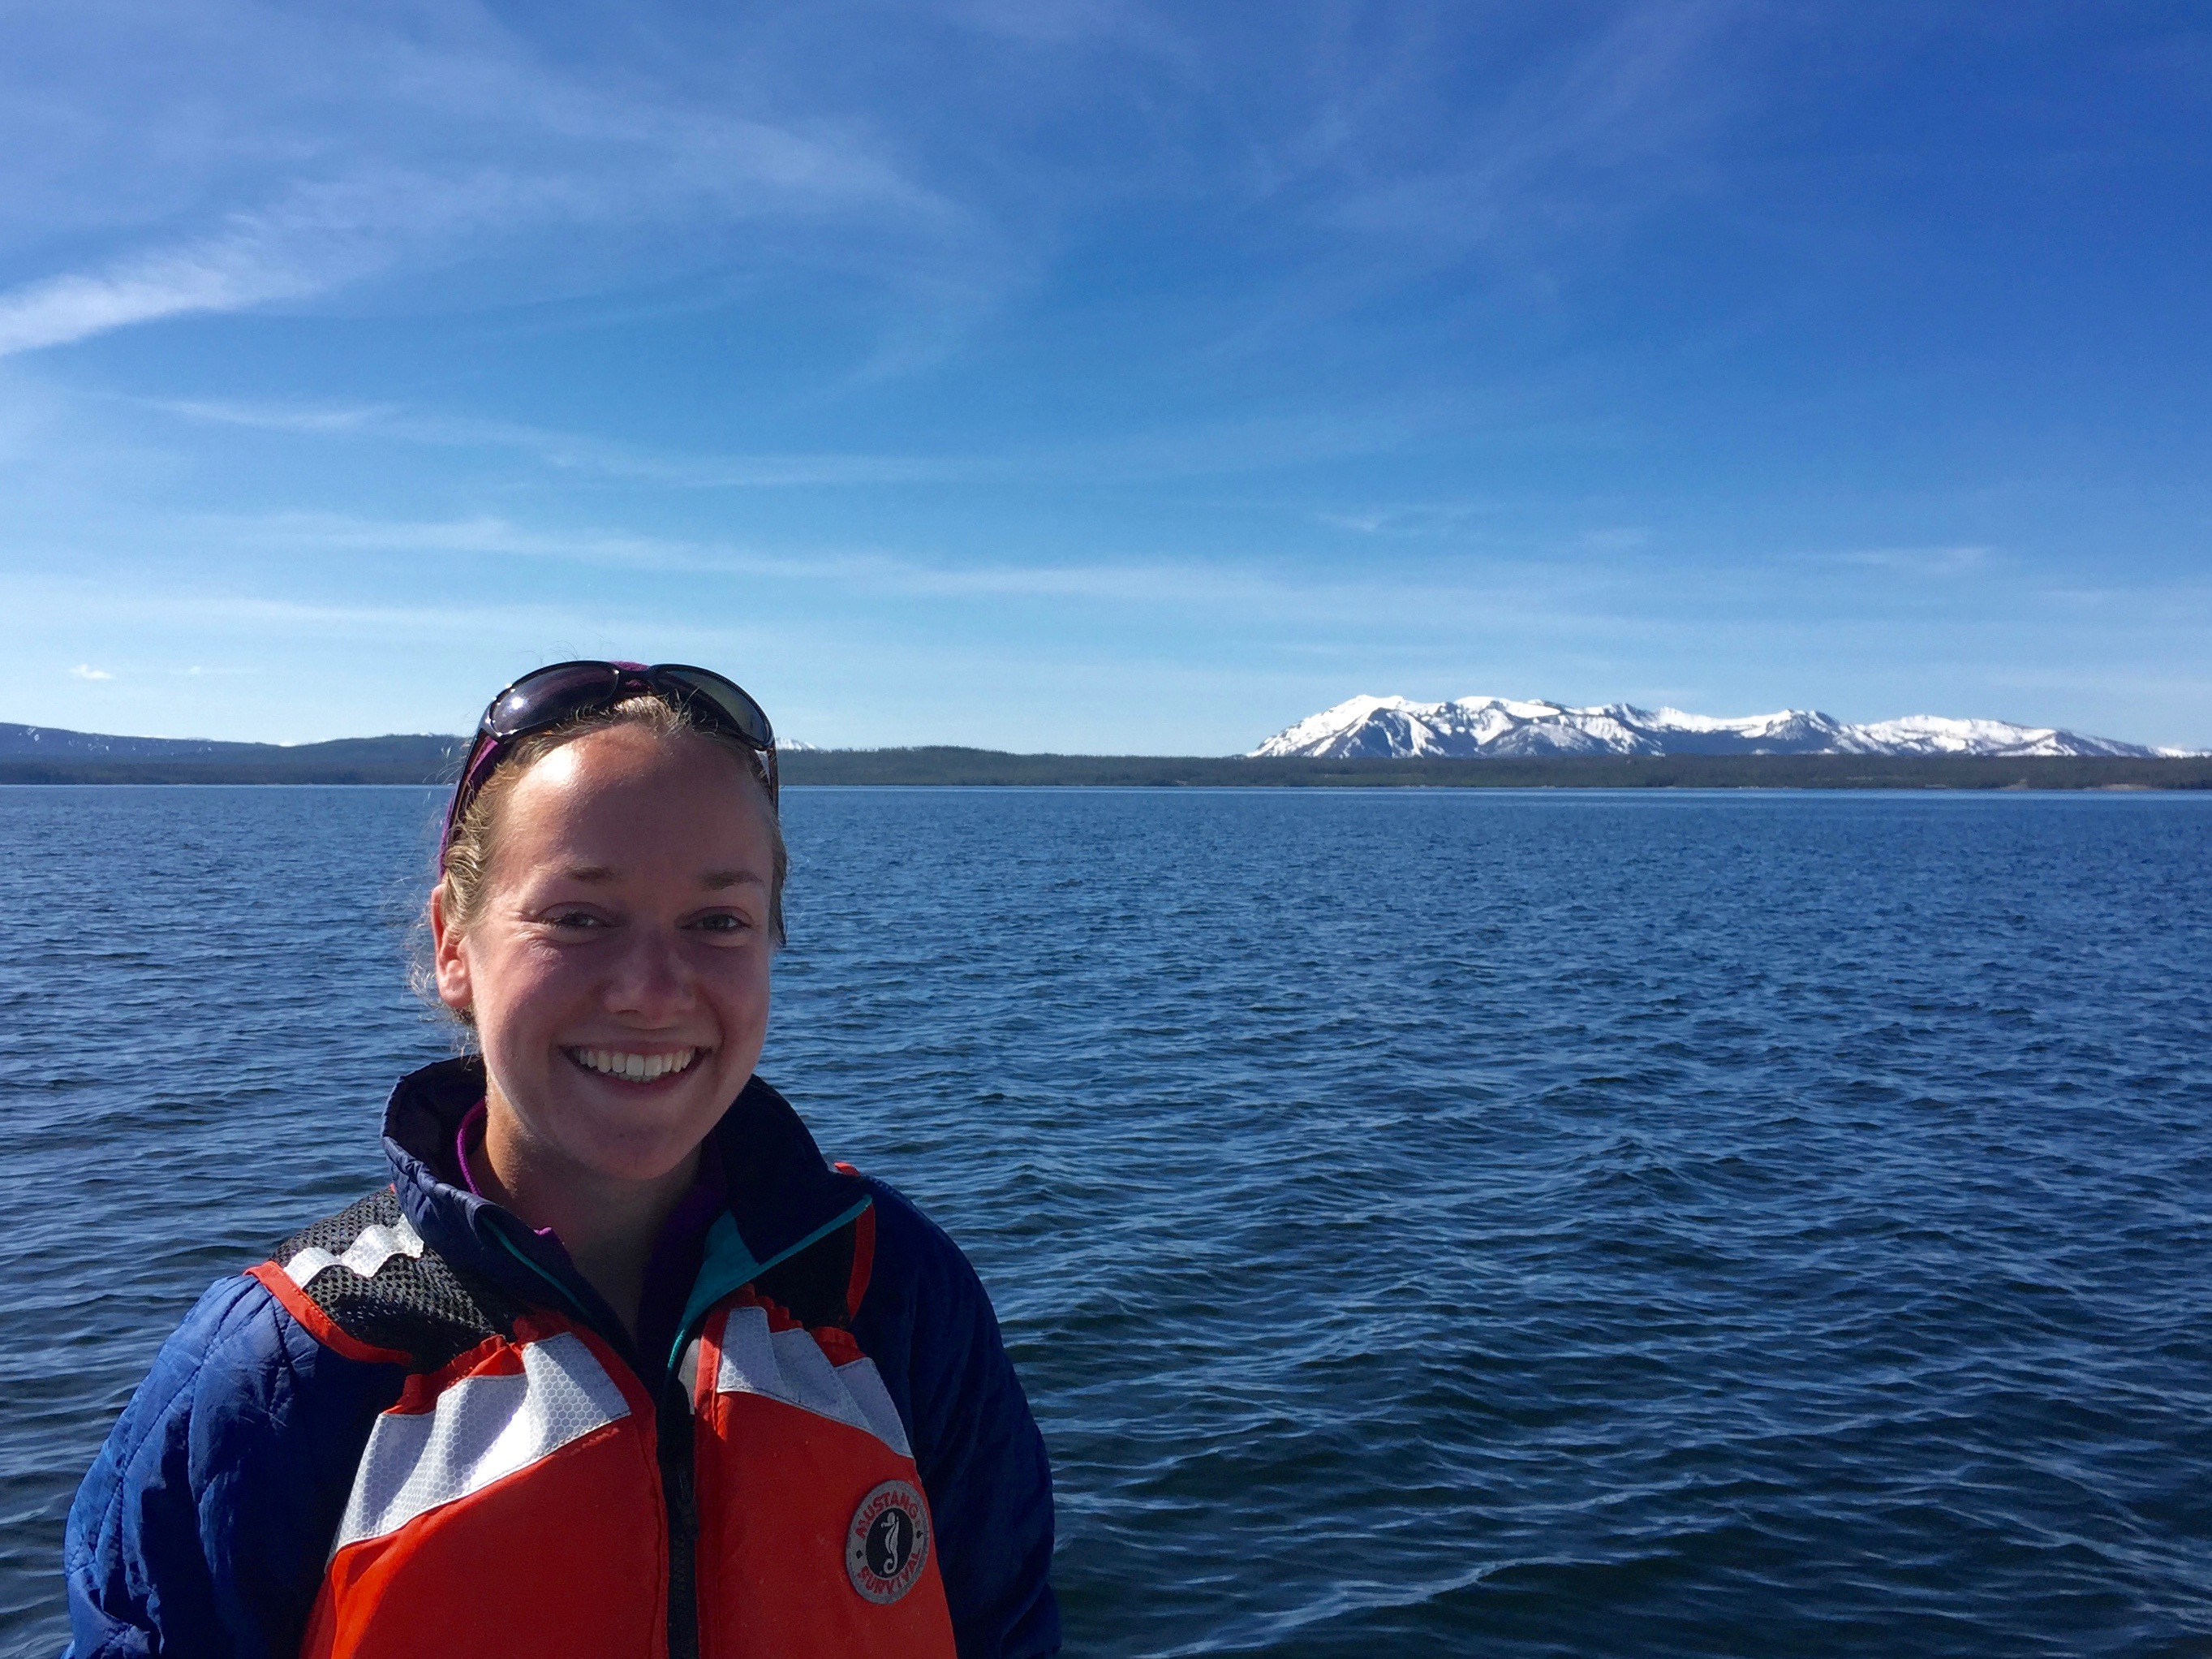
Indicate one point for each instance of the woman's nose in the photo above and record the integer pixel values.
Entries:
(651, 980)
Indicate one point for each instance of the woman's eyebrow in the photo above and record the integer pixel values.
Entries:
(589, 872)
(714, 880)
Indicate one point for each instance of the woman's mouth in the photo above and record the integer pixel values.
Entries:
(633, 1068)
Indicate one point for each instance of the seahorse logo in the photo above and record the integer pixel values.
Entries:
(888, 1543)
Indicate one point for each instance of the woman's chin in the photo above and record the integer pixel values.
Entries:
(609, 1129)
(632, 1158)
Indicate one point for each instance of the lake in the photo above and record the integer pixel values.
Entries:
(1558, 1223)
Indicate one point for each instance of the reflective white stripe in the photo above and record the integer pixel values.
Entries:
(371, 1250)
(687, 1371)
(790, 1366)
(480, 1429)
(865, 1383)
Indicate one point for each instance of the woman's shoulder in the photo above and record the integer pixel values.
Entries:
(926, 1308)
(232, 1343)
(278, 1348)
(243, 1362)
(914, 1257)
(233, 1458)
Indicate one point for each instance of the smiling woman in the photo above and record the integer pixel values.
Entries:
(612, 954)
(617, 1363)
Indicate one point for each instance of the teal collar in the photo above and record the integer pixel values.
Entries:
(729, 1265)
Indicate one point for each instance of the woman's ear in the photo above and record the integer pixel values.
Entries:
(452, 962)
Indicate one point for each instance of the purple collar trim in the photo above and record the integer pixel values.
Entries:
(472, 1123)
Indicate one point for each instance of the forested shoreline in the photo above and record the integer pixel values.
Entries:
(431, 761)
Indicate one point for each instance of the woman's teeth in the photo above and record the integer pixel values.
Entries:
(635, 1068)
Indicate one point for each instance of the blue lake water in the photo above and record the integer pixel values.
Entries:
(1530, 1223)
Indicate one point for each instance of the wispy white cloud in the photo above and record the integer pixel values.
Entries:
(868, 572)
(244, 154)
(1410, 518)
(224, 610)
(1498, 591)
(1941, 561)
(85, 671)
(1607, 582)
(1587, 134)
(1615, 538)
(1440, 143)
(321, 241)
(1461, 522)
(212, 277)
(311, 418)
(572, 451)
(433, 147)
(1256, 444)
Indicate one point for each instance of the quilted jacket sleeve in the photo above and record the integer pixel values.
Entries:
(203, 1524)
(927, 1322)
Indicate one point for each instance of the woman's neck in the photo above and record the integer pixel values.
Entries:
(609, 1227)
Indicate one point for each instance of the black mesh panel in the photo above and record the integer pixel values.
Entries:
(423, 1306)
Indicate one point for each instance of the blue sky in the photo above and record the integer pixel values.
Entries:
(1083, 375)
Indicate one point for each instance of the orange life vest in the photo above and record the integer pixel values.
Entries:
(528, 1495)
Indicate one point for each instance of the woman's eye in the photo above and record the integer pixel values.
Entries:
(722, 922)
(574, 921)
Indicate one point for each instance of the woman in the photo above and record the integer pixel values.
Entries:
(617, 1363)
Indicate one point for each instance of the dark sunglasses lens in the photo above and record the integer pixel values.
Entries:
(744, 716)
(549, 696)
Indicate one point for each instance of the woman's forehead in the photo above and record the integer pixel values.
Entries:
(618, 759)
(624, 788)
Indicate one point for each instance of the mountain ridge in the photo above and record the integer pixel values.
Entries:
(54, 743)
(101, 758)
(1481, 728)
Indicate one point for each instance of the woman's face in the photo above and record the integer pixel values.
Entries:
(618, 967)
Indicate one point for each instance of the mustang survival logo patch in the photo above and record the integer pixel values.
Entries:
(888, 1543)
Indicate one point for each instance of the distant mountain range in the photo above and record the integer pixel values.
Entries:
(49, 742)
(1369, 742)
(1471, 728)
(50, 754)
(419, 750)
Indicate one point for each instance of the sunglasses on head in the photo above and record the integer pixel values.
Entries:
(548, 697)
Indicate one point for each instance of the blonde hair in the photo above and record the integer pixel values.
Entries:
(464, 871)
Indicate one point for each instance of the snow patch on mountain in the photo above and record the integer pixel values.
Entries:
(1382, 728)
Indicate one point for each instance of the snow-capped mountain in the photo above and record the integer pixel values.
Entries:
(1468, 728)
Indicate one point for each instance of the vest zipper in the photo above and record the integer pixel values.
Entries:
(672, 1436)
